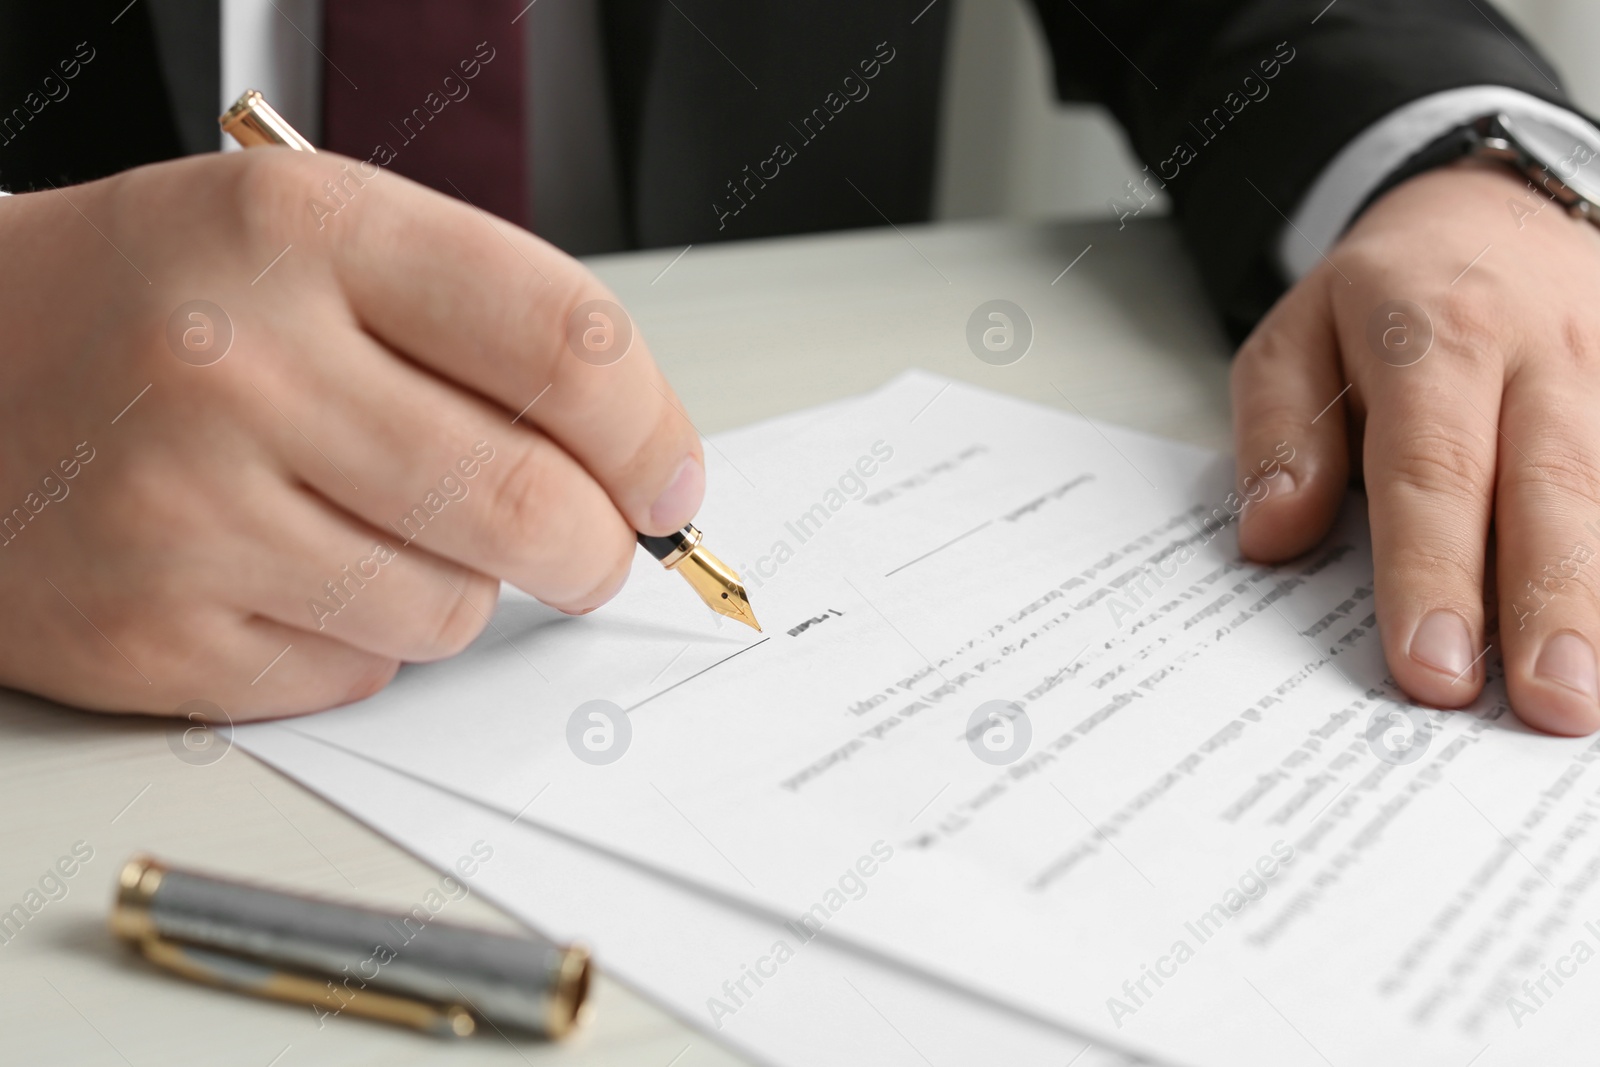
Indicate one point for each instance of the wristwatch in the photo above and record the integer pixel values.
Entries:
(1565, 169)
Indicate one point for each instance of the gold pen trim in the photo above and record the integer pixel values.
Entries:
(253, 123)
(131, 920)
(226, 971)
(691, 541)
(566, 1004)
(569, 1002)
(136, 887)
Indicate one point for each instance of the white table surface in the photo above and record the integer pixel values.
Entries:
(744, 331)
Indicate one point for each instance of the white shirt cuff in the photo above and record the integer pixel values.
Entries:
(1363, 164)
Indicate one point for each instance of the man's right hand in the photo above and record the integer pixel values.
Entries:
(170, 525)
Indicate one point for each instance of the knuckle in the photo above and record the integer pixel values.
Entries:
(556, 316)
(1262, 349)
(1246, 365)
(1433, 461)
(1469, 331)
(1264, 359)
(1579, 350)
(1472, 331)
(1565, 478)
(659, 444)
(273, 193)
(521, 505)
(142, 501)
(1266, 423)
(558, 296)
(568, 291)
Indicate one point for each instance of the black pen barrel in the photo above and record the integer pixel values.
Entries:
(662, 547)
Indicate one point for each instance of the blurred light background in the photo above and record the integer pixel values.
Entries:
(1010, 149)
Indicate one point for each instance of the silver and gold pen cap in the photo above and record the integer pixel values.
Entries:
(407, 968)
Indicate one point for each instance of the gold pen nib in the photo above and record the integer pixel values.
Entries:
(717, 584)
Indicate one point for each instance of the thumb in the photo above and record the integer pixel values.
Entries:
(1289, 425)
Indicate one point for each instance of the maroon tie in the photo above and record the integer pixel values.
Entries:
(432, 89)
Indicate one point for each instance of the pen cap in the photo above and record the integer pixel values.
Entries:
(524, 981)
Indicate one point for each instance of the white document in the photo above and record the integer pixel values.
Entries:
(1199, 839)
(820, 1005)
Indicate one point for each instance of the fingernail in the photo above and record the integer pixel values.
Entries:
(1568, 660)
(681, 499)
(1443, 643)
(1285, 481)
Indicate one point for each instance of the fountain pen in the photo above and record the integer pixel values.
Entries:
(253, 122)
(716, 583)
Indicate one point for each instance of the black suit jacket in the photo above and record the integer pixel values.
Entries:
(823, 115)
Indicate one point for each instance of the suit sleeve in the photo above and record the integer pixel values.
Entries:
(1236, 106)
(82, 93)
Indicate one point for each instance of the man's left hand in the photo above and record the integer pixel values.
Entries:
(1448, 350)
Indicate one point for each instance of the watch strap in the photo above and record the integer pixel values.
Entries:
(1456, 143)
